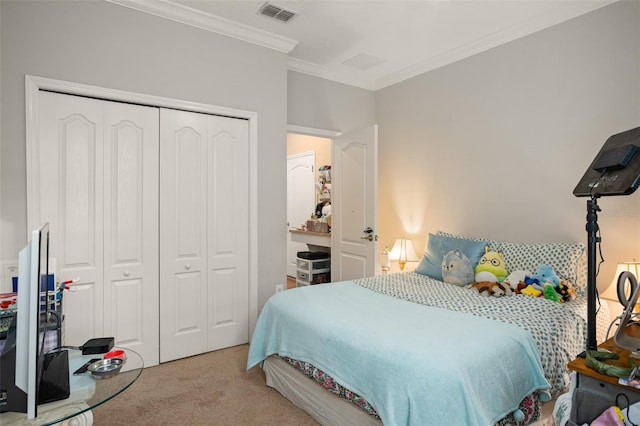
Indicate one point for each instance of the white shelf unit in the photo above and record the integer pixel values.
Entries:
(310, 272)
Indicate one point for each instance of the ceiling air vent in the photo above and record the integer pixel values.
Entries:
(363, 61)
(276, 12)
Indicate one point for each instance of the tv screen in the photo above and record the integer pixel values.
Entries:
(23, 354)
(616, 168)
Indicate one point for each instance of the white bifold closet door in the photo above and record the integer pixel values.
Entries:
(204, 203)
(94, 173)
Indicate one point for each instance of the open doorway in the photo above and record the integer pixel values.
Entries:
(307, 188)
(352, 242)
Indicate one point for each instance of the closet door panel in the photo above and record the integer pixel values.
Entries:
(187, 296)
(68, 193)
(183, 212)
(126, 315)
(227, 230)
(131, 153)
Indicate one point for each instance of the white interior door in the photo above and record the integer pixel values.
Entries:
(228, 232)
(68, 193)
(183, 241)
(301, 200)
(354, 200)
(204, 233)
(131, 289)
(97, 185)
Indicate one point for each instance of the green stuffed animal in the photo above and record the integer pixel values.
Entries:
(550, 293)
(491, 267)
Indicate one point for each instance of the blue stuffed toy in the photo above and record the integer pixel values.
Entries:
(546, 274)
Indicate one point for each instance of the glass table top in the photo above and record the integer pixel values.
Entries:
(87, 391)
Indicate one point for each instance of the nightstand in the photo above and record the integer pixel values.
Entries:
(596, 392)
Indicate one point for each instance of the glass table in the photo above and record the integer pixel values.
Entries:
(86, 393)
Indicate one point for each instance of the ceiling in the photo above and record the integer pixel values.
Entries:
(372, 44)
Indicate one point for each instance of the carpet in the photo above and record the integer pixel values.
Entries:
(208, 389)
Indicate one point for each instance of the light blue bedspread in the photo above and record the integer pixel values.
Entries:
(415, 364)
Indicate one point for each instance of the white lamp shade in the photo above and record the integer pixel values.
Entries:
(403, 251)
(611, 293)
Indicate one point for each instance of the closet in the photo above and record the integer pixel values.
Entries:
(147, 208)
(204, 224)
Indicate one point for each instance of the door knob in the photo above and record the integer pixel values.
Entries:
(187, 266)
(126, 273)
(370, 235)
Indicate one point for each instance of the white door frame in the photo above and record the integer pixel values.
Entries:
(302, 130)
(310, 131)
(34, 84)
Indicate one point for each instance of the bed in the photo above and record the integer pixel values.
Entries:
(409, 349)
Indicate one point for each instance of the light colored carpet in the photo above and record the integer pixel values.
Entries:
(209, 389)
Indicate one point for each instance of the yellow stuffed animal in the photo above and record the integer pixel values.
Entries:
(491, 267)
(530, 291)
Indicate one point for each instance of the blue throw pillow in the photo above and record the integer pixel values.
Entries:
(438, 246)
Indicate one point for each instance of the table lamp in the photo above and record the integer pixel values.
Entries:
(403, 252)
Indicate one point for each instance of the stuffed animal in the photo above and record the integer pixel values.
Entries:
(491, 267)
(565, 291)
(546, 274)
(531, 281)
(549, 293)
(530, 290)
(515, 278)
(521, 286)
(456, 268)
(490, 288)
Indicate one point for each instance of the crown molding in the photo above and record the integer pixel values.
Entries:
(168, 9)
(196, 18)
(512, 33)
(356, 79)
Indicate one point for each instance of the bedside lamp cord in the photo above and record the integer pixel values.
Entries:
(628, 404)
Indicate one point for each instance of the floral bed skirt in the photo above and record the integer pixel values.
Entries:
(529, 406)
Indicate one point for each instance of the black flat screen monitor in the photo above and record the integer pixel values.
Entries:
(616, 168)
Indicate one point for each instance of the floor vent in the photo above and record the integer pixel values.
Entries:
(276, 12)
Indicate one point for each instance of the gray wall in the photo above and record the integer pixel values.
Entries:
(493, 145)
(103, 44)
(327, 105)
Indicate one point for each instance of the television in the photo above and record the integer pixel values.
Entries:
(616, 168)
(21, 361)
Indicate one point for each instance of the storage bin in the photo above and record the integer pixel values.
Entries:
(309, 266)
(317, 277)
(312, 268)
